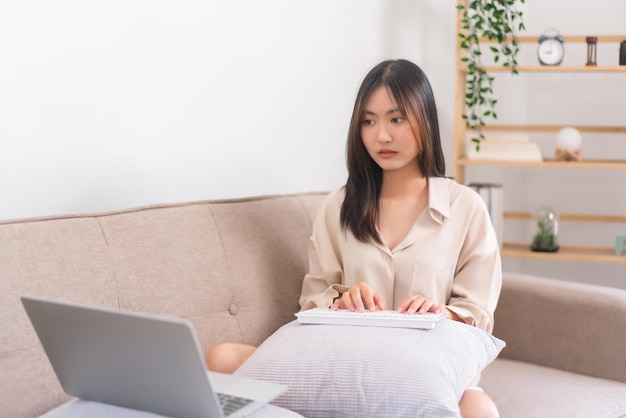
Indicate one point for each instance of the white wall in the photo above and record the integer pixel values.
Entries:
(111, 104)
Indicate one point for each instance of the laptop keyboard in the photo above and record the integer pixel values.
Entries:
(231, 403)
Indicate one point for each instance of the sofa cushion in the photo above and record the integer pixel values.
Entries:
(522, 390)
(348, 371)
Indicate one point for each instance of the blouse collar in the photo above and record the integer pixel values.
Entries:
(439, 198)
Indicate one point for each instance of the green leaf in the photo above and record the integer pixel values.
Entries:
(495, 20)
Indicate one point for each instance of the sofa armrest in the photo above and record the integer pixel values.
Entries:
(569, 326)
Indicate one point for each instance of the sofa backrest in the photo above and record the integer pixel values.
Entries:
(570, 326)
(233, 267)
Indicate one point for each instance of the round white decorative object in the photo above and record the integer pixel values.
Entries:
(569, 139)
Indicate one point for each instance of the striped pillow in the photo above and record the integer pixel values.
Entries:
(355, 371)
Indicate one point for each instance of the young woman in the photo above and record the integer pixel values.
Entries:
(399, 235)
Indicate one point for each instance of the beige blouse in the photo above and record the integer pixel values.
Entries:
(451, 255)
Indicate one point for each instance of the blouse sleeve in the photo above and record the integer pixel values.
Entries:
(478, 276)
(323, 281)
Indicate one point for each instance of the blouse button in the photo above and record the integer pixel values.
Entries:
(233, 309)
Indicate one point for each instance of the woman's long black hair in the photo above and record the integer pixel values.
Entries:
(411, 89)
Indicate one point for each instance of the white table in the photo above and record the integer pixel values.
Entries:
(80, 409)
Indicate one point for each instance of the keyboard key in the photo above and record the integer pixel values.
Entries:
(232, 403)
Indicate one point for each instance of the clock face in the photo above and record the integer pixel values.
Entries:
(550, 52)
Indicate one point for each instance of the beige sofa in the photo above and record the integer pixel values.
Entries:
(234, 268)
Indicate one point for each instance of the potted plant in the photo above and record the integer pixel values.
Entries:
(496, 22)
(545, 240)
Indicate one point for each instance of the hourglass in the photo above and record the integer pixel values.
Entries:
(592, 47)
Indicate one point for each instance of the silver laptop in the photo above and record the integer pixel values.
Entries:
(139, 361)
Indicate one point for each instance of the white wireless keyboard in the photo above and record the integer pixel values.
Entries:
(386, 318)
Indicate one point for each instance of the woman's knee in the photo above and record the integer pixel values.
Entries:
(477, 404)
(227, 357)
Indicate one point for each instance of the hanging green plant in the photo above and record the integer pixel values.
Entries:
(498, 21)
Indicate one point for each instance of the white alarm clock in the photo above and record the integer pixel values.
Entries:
(551, 50)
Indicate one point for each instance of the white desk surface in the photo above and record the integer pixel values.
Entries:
(79, 409)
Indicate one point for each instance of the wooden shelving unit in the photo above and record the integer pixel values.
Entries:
(461, 162)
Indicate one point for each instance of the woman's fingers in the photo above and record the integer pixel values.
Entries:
(346, 301)
(419, 304)
(359, 298)
(357, 301)
(379, 301)
(368, 297)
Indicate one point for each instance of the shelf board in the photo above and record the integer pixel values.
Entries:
(527, 39)
(549, 163)
(566, 252)
(567, 217)
(556, 68)
(553, 128)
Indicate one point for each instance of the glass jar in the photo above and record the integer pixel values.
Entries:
(546, 236)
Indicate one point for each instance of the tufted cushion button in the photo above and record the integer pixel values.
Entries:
(233, 309)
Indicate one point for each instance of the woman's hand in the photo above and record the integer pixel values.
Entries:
(420, 304)
(358, 298)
